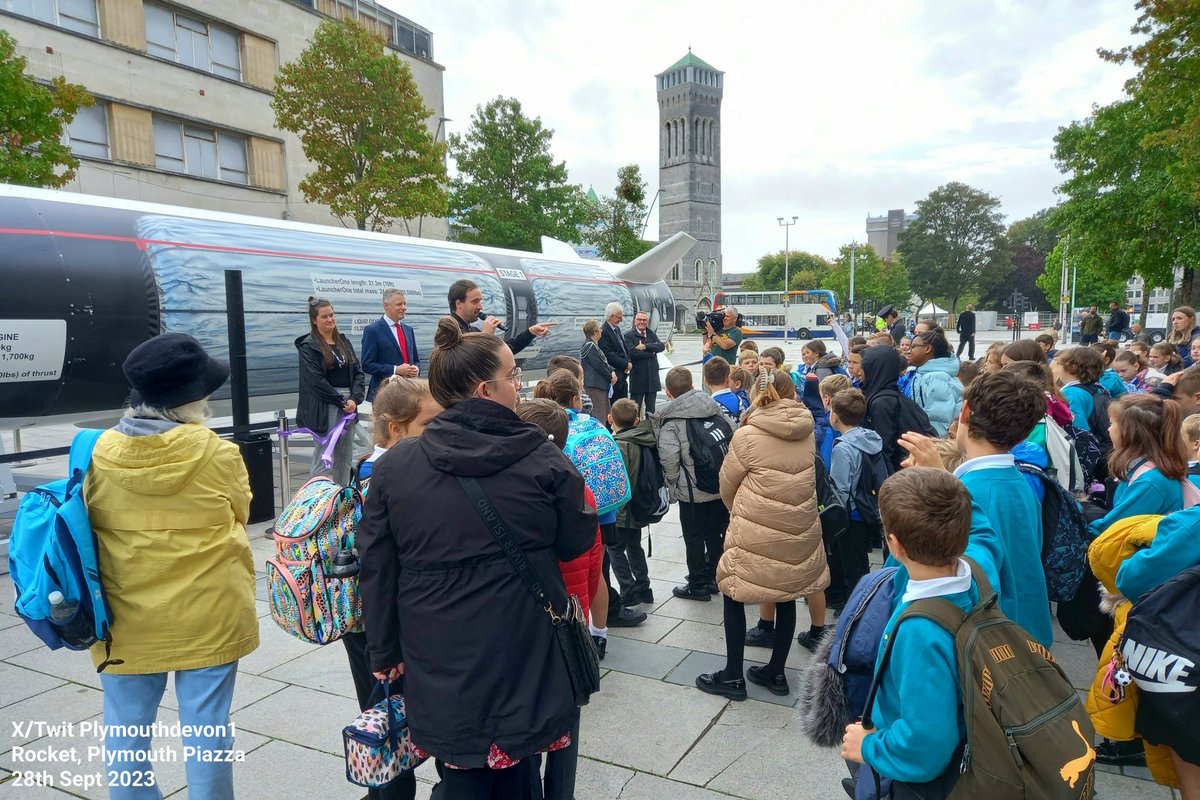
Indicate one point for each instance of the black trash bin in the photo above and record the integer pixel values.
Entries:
(256, 453)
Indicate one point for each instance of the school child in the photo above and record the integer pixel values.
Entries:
(1149, 458)
(1048, 344)
(1135, 372)
(1078, 370)
(999, 412)
(750, 345)
(739, 379)
(627, 557)
(919, 726)
(855, 448)
(809, 393)
(771, 358)
(1191, 440)
(1165, 358)
(703, 518)
(1109, 379)
(401, 409)
(967, 372)
(574, 366)
(1194, 350)
(716, 378)
(748, 361)
(854, 365)
(828, 388)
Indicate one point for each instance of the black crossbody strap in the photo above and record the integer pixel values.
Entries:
(508, 544)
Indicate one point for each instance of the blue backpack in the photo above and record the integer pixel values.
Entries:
(53, 549)
(839, 677)
(1065, 536)
(594, 452)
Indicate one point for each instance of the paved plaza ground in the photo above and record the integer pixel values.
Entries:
(648, 734)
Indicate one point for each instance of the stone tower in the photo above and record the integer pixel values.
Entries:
(689, 177)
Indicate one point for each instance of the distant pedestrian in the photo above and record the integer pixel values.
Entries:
(1090, 326)
(1117, 324)
(895, 325)
(965, 326)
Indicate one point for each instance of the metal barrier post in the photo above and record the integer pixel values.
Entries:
(285, 469)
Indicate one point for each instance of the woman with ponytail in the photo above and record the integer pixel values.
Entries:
(485, 682)
(773, 549)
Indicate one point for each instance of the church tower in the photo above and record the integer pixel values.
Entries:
(689, 177)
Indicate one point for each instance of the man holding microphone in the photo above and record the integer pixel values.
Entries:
(466, 306)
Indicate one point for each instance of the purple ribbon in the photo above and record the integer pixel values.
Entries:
(330, 439)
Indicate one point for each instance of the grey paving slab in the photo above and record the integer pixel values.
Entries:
(642, 658)
(67, 703)
(274, 648)
(595, 780)
(290, 714)
(652, 630)
(644, 724)
(695, 610)
(707, 638)
(1079, 662)
(750, 725)
(9, 621)
(667, 570)
(246, 690)
(325, 669)
(783, 767)
(16, 640)
(274, 771)
(74, 666)
(652, 787)
(18, 683)
(9, 789)
(699, 663)
(1118, 787)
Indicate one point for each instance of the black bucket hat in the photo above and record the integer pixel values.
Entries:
(172, 370)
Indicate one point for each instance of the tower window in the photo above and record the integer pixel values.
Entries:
(699, 269)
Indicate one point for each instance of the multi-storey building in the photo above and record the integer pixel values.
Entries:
(183, 92)
(883, 232)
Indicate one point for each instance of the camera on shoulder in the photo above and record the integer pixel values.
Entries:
(717, 318)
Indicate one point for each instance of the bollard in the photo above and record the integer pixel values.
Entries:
(285, 469)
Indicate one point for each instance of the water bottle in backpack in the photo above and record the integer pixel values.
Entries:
(72, 626)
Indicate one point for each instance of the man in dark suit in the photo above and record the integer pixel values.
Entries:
(389, 346)
(612, 343)
(643, 346)
(466, 306)
(965, 325)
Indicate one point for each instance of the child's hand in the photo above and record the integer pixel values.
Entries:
(921, 451)
(852, 742)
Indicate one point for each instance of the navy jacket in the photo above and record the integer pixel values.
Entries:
(381, 353)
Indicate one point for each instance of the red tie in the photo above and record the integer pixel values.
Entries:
(403, 343)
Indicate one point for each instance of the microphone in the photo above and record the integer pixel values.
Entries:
(483, 316)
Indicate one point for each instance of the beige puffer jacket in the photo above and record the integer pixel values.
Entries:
(773, 549)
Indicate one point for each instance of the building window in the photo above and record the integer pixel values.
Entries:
(192, 42)
(74, 15)
(87, 135)
(200, 151)
(699, 270)
(675, 271)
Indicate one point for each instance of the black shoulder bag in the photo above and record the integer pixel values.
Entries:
(570, 628)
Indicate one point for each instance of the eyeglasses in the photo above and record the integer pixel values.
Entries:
(513, 377)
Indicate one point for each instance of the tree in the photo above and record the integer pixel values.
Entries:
(957, 235)
(875, 279)
(805, 271)
(509, 191)
(1038, 231)
(33, 118)
(618, 231)
(1095, 284)
(1025, 266)
(363, 123)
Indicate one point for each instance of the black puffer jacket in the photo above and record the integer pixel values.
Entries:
(889, 412)
(481, 661)
(316, 393)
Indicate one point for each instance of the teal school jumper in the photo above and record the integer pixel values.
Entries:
(1151, 493)
(1005, 498)
(1176, 547)
(1081, 403)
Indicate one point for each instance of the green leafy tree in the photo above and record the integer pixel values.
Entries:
(618, 231)
(1025, 266)
(509, 191)
(363, 123)
(1037, 231)
(957, 235)
(875, 280)
(805, 271)
(33, 117)
(1095, 284)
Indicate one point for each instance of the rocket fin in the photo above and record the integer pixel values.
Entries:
(653, 266)
(558, 250)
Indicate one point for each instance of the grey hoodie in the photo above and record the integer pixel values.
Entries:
(848, 458)
(677, 464)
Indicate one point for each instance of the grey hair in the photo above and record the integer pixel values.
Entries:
(728, 309)
(613, 308)
(197, 412)
(388, 294)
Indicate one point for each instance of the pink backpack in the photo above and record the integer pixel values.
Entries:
(1191, 494)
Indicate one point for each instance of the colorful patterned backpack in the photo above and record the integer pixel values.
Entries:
(313, 578)
(594, 452)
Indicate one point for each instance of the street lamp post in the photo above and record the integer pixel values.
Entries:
(853, 253)
(786, 247)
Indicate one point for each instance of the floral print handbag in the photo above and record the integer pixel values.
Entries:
(377, 742)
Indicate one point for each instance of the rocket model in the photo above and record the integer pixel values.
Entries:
(86, 279)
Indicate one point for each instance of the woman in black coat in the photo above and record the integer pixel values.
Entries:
(485, 682)
(332, 383)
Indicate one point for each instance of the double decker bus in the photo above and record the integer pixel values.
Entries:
(808, 314)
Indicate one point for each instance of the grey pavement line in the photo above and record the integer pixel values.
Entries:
(712, 723)
(51, 689)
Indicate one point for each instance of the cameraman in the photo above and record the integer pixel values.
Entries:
(726, 342)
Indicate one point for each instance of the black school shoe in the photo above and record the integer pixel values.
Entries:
(626, 618)
(601, 645)
(712, 683)
(776, 685)
(1120, 753)
(806, 640)
(757, 637)
(686, 592)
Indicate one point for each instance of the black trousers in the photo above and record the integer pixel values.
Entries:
(965, 342)
(405, 786)
(849, 555)
(480, 784)
(645, 400)
(629, 563)
(703, 527)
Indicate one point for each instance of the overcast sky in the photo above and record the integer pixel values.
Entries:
(832, 111)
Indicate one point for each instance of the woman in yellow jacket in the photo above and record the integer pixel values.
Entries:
(773, 548)
(168, 501)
